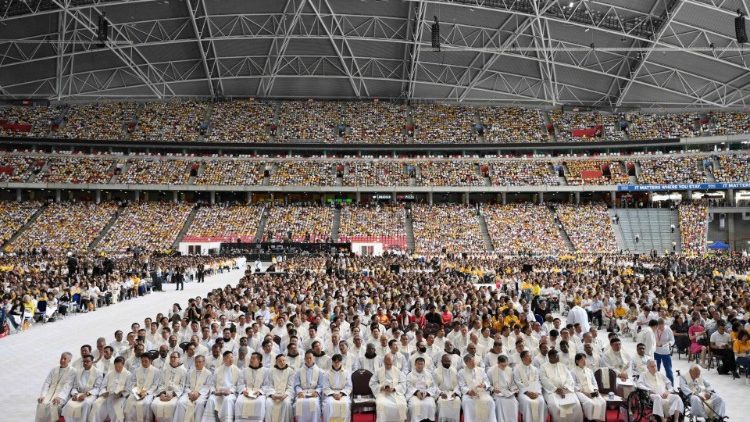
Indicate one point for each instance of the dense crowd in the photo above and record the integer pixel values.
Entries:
(450, 173)
(592, 172)
(156, 171)
(449, 228)
(379, 173)
(665, 170)
(520, 173)
(303, 173)
(284, 347)
(376, 222)
(173, 121)
(299, 223)
(440, 123)
(512, 125)
(77, 170)
(693, 219)
(13, 215)
(523, 228)
(106, 121)
(19, 168)
(732, 168)
(34, 121)
(588, 226)
(231, 172)
(148, 226)
(241, 121)
(374, 122)
(586, 126)
(309, 120)
(227, 222)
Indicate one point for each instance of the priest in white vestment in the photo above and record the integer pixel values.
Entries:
(170, 390)
(616, 359)
(220, 403)
(279, 391)
(112, 395)
(86, 385)
(198, 384)
(251, 401)
(593, 404)
(703, 401)
(559, 390)
(308, 388)
(504, 390)
(530, 398)
(476, 402)
(639, 362)
(421, 392)
(55, 391)
(388, 384)
(369, 360)
(665, 403)
(337, 390)
(142, 386)
(448, 390)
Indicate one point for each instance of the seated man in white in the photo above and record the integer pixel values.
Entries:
(703, 400)
(476, 402)
(530, 398)
(559, 390)
(142, 386)
(616, 359)
(594, 405)
(448, 390)
(308, 388)
(112, 395)
(280, 391)
(220, 404)
(86, 385)
(251, 401)
(665, 403)
(388, 384)
(55, 391)
(421, 392)
(504, 390)
(337, 388)
(170, 390)
(198, 384)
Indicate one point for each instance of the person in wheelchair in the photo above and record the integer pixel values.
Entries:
(665, 403)
(703, 400)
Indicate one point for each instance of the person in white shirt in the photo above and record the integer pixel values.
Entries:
(476, 403)
(504, 390)
(421, 392)
(251, 402)
(308, 388)
(86, 385)
(616, 359)
(198, 384)
(665, 404)
(142, 386)
(576, 314)
(593, 404)
(388, 384)
(647, 336)
(530, 399)
(220, 404)
(559, 390)
(639, 361)
(280, 391)
(663, 350)
(703, 400)
(112, 395)
(721, 346)
(170, 390)
(337, 390)
(449, 394)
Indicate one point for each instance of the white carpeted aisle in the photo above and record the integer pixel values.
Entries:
(26, 358)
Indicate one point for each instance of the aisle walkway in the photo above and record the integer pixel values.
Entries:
(28, 357)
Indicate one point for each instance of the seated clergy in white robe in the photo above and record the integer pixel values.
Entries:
(308, 388)
(279, 391)
(421, 392)
(55, 391)
(198, 384)
(220, 403)
(476, 401)
(504, 390)
(530, 398)
(112, 394)
(559, 390)
(703, 401)
(86, 385)
(665, 403)
(616, 359)
(337, 390)
(593, 404)
(388, 384)
(170, 390)
(251, 400)
(448, 390)
(142, 386)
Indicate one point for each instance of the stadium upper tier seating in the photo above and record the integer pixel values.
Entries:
(18, 167)
(381, 122)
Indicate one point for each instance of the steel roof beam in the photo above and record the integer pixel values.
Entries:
(279, 44)
(206, 48)
(416, 48)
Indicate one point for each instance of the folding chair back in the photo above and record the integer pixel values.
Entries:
(363, 400)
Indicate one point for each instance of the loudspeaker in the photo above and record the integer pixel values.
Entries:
(436, 35)
(739, 29)
(103, 31)
(395, 268)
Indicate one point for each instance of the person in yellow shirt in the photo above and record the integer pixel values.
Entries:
(741, 347)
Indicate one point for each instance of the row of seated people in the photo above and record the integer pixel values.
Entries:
(588, 226)
(225, 222)
(248, 120)
(693, 220)
(444, 228)
(523, 228)
(438, 348)
(595, 172)
(379, 223)
(13, 215)
(669, 170)
(150, 226)
(299, 223)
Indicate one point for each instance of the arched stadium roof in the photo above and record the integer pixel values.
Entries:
(601, 53)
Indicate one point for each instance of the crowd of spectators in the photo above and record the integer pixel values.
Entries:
(98, 121)
(19, 168)
(442, 123)
(156, 171)
(309, 120)
(28, 121)
(65, 226)
(732, 168)
(175, 121)
(77, 169)
(523, 228)
(693, 220)
(605, 126)
(520, 173)
(383, 222)
(666, 170)
(299, 223)
(592, 172)
(658, 126)
(446, 228)
(13, 215)
(450, 173)
(374, 122)
(379, 173)
(512, 125)
(589, 227)
(722, 123)
(232, 172)
(303, 173)
(241, 121)
(226, 222)
(148, 226)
